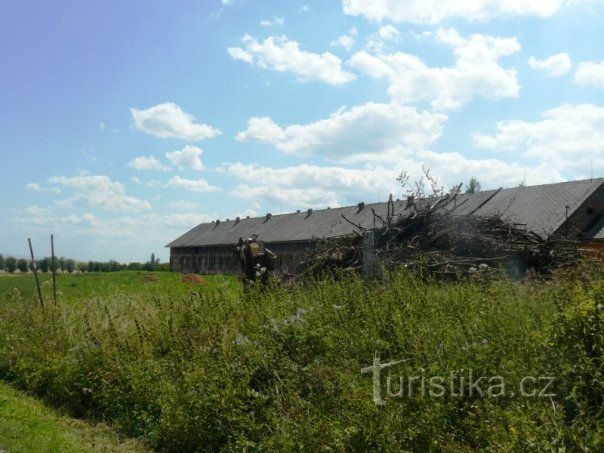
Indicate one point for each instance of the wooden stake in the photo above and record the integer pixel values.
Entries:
(54, 272)
(35, 269)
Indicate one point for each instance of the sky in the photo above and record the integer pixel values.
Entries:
(123, 124)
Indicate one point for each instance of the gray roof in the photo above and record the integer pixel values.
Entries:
(541, 208)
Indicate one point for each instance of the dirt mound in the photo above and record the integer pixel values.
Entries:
(193, 278)
(149, 278)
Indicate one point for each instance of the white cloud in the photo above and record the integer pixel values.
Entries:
(183, 205)
(188, 157)
(358, 133)
(476, 71)
(590, 74)
(303, 186)
(453, 168)
(168, 120)
(378, 41)
(283, 55)
(275, 21)
(433, 12)
(569, 139)
(554, 66)
(345, 41)
(147, 163)
(97, 191)
(125, 238)
(192, 185)
(35, 187)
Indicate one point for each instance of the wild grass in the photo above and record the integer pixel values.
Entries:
(27, 426)
(214, 368)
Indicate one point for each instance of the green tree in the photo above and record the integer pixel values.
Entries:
(44, 264)
(134, 266)
(1, 263)
(473, 186)
(11, 264)
(152, 264)
(22, 265)
(69, 266)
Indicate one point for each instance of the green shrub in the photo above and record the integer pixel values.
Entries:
(281, 369)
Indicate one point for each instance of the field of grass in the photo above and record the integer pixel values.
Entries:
(72, 288)
(192, 368)
(27, 426)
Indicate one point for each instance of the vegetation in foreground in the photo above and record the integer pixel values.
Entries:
(26, 426)
(213, 368)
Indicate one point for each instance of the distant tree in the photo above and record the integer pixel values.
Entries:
(1, 263)
(114, 266)
(69, 266)
(82, 267)
(522, 184)
(22, 265)
(57, 264)
(44, 264)
(62, 263)
(11, 264)
(134, 266)
(152, 264)
(473, 186)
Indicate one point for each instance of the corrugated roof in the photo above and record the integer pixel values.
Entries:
(541, 208)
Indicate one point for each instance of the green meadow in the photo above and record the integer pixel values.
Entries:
(185, 367)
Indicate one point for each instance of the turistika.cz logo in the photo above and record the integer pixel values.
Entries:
(463, 384)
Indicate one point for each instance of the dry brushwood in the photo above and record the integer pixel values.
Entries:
(437, 242)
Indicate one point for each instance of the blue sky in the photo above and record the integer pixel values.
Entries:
(126, 123)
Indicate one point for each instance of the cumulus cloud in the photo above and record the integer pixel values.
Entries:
(476, 71)
(433, 12)
(569, 138)
(192, 185)
(147, 163)
(303, 186)
(345, 41)
(125, 238)
(168, 120)
(348, 134)
(590, 74)
(385, 35)
(554, 66)
(283, 55)
(35, 187)
(98, 191)
(187, 158)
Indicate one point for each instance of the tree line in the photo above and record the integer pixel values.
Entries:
(11, 264)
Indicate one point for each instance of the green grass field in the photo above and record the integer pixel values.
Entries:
(27, 426)
(196, 368)
(84, 286)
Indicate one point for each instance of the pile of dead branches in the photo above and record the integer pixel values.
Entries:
(434, 241)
